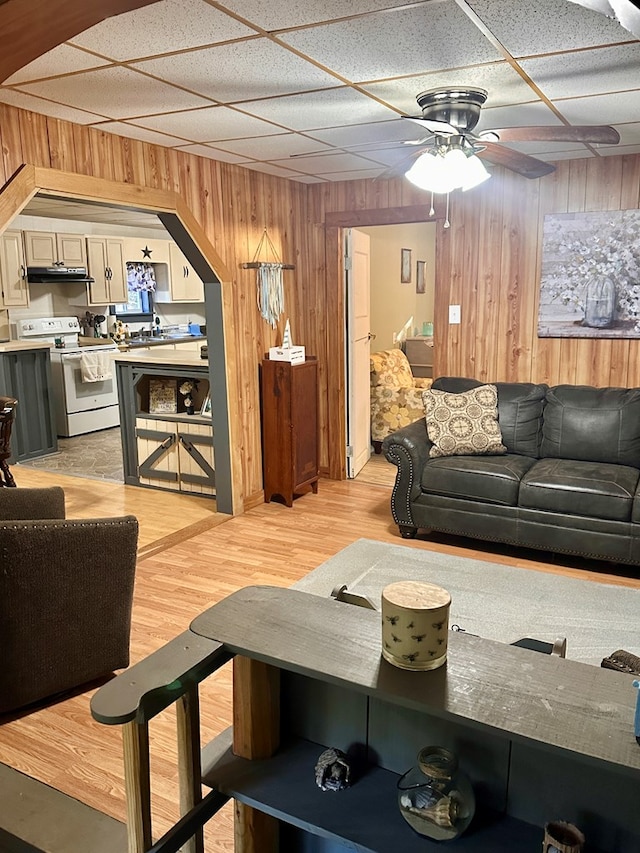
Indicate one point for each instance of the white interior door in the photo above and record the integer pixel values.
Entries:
(357, 358)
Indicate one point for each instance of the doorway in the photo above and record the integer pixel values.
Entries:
(29, 181)
(396, 310)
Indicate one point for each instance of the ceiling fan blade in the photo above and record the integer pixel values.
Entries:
(516, 161)
(602, 134)
(433, 126)
(363, 147)
(400, 167)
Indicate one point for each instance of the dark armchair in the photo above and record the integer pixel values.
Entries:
(66, 593)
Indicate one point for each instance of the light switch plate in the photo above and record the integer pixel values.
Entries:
(454, 314)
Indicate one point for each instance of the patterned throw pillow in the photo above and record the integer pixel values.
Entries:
(463, 424)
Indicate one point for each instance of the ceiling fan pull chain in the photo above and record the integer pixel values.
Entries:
(447, 224)
(432, 212)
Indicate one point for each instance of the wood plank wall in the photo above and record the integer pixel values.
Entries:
(487, 261)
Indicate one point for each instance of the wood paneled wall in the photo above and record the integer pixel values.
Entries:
(487, 261)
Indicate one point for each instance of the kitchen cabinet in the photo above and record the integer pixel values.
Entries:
(165, 449)
(45, 249)
(143, 251)
(183, 283)
(25, 373)
(15, 291)
(289, 394)
(106, 264)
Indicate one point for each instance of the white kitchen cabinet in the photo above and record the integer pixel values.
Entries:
(106, 263)
(183, 283)
(47, 248)
(143, 251)
(15, 292)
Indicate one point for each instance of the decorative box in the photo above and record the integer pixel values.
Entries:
(294, 355)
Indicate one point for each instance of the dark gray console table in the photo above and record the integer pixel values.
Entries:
(542, 738)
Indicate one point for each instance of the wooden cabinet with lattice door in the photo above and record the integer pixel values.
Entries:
(175, 455)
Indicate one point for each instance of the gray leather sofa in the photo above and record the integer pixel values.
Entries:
(568, 483)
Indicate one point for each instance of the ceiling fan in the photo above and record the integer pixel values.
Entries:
(451, 115)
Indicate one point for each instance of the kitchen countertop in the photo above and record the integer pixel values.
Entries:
(22, 346)
(162, 356)
(136, 343)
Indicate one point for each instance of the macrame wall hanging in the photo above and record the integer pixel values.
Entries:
(269, 280)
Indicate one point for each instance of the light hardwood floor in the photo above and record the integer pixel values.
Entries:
(189, 559)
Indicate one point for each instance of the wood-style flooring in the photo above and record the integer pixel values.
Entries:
(189, 559)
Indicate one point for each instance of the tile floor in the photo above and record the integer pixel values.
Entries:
(96, 455)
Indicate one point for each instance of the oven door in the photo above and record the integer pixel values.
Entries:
(80, 396)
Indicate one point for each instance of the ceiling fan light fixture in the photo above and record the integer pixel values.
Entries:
(447, 168)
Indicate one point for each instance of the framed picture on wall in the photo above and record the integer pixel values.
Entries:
(405, 266)
(421, 284)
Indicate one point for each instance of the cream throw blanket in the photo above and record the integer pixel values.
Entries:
(95, 366)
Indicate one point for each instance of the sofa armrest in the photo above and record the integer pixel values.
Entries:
(408, 449)
(32, 503)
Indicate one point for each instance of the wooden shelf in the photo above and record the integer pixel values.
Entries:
(365, 816)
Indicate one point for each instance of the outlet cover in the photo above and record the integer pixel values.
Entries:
(454, 314)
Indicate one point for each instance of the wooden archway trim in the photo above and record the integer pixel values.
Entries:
(29, 180)
(30, 27)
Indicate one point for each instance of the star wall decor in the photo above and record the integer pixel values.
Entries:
(146, 252)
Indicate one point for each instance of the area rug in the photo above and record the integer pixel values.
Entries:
(498, 602)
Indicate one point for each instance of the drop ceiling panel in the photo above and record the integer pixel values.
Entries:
(61, 60)
(588, 72)
(547, 25)
(602, 109)
(103, 91)
(412, 40)
(212, 153)
(132, 131)
(325, 108)
(520, 115)
(161, 28)
(281, 14)
(209, 125)
(353, 176)
(273, 169)
(270, 147)
(503, 84)
(237, 72)
(377, 133)
(47, 108)
(326, 163)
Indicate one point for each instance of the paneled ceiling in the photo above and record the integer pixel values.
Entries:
(313, 90)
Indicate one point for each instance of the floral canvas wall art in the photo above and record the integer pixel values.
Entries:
(590, 276)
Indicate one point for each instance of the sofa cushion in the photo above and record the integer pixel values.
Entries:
(592, 424)
(465, 423)
(596, 489)
(491, 479)
(520, 406)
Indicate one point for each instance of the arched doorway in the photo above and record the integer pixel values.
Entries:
(176, 217)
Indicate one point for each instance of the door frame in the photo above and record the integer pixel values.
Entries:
(334, 222)
(28, 181)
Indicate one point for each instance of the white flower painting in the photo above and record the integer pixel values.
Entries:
(590, 278)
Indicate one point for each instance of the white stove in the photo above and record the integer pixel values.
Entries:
(83, 404)
(60, 332)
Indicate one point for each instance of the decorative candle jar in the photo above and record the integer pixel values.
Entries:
(600, 303)
(435, 797)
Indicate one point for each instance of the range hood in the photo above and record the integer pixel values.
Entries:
(52, 275)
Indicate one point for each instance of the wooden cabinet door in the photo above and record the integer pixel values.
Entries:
(186, 286)
(98, 291)
(117, 275)
(40, 248)
(71, 250)
(157, 447)
(15, 292)
(195, 458)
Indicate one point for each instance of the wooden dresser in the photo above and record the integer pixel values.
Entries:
(289, 399)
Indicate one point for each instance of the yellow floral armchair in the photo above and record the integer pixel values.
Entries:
(396, 394)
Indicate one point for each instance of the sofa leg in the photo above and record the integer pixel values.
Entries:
(407, 532)
(377, 447)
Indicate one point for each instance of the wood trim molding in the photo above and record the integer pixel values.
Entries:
(29, 180)
(381, 216)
